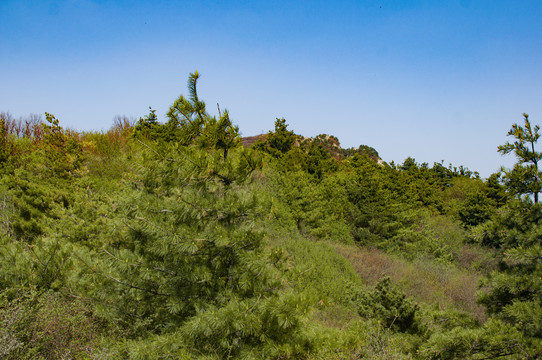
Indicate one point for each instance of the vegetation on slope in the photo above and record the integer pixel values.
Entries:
(173, 240)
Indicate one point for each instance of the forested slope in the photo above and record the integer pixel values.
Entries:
(172, 240)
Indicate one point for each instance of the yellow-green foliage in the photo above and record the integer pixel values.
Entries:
(62, 152)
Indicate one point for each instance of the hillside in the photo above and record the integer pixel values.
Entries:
(329, 142)
(181, 240)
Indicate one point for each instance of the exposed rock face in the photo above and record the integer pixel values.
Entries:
(250, 140)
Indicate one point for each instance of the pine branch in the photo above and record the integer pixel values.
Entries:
(141, 264)
(93, 269)
(226, 180)
(48, 261)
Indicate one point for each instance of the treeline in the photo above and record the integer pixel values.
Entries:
(172, 240)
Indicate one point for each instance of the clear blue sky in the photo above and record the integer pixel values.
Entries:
(435, 80)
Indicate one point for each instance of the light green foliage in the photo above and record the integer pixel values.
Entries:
(316, 269)
(62, 152)
(190, 124)
(494, 340)
(316, 208)
(187, 116)
(109, 156)
(36, 220)
(234, 330)
(220, 134)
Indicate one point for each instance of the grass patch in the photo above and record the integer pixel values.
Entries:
(425, 281)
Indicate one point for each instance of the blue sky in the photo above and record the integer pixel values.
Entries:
(434, 80)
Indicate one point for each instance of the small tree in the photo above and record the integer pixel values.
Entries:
(282, 139)
(147, 127)
(278, 142)
(189, 123)
(63, 153)
(525, 177)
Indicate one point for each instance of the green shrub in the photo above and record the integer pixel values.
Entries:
(390, 306)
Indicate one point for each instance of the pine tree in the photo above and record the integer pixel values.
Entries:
(525, 177)
(189, 243)
(189, 122)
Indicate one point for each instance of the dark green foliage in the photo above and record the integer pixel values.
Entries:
(525, 177)
(380, 215)
(476, 209)
(361, 150)
(278, 142)
(495, 190)
(514, 293)
(517, 224)
(330, 142)
(187, 240)
(186, 247)
(281, 140)
(187, 254)
(391, 307)
(148, 128)
(319, 161)
(187, 116)
(30, 202)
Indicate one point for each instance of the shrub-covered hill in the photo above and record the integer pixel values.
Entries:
(171, 240)
(329, 142)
